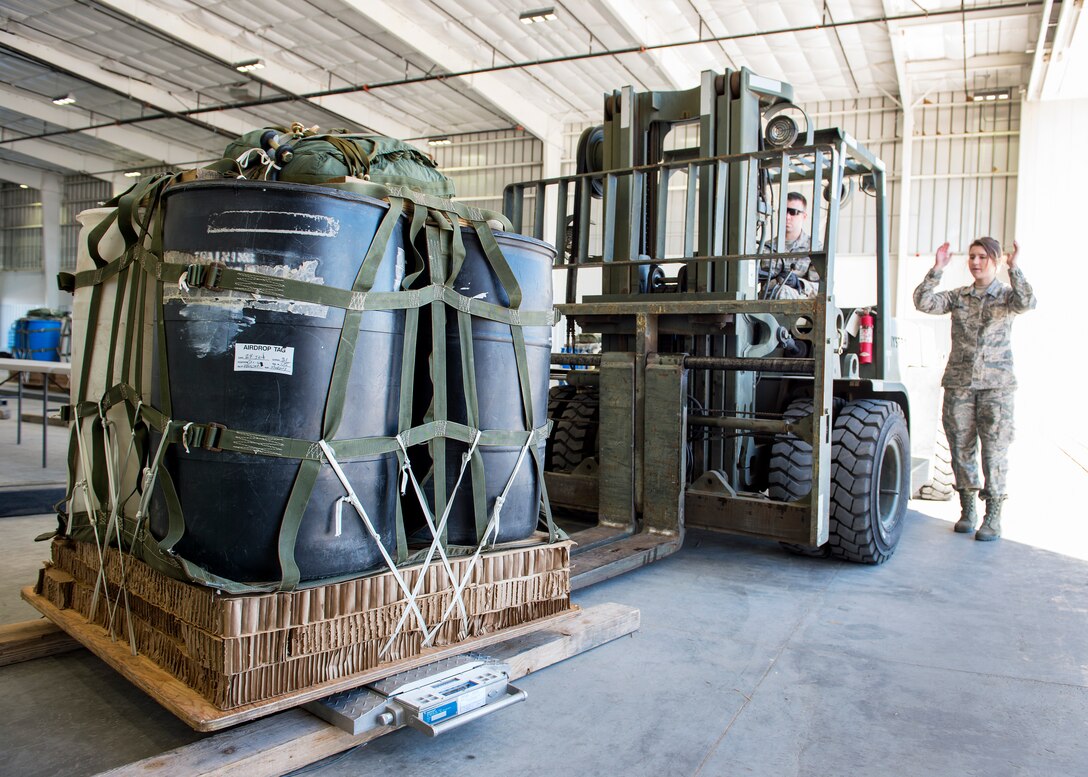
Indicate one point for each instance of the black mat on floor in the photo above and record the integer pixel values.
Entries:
(29, 501)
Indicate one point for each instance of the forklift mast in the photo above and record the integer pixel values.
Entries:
(698, 364)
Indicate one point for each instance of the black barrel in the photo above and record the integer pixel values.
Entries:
(264, 366)
(498, 387)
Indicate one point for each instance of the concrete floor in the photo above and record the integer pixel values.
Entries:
(955, 658)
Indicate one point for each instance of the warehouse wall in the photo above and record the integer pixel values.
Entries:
(1049, 342)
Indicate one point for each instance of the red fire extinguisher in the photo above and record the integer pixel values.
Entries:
(865, 338)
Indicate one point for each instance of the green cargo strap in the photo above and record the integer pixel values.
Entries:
(94, 238)
(437, 255)
(335, 397)
(472, 416)
(218, 277)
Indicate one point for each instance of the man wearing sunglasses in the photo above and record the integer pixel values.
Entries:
(790, 277)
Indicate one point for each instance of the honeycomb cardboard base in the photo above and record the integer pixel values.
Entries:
(242, 650)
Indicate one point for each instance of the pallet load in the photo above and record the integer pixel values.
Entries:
(305, 374)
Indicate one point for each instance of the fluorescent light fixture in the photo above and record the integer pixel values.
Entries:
(538, 16)
(991, 95)
(133, 174)
(23, 186)
(64, 100)
(439, 142)
(247, 65)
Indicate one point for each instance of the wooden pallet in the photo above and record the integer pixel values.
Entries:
(201, 714)
(289, 740)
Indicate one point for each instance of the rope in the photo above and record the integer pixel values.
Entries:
(353, 500)
(437, 533)
(100, 583)
(492, 527)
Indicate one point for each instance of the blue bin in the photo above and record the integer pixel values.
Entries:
(38, 339)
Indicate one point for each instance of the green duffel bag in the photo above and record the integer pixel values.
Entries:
(304, 156)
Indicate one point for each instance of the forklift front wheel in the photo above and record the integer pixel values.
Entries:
(870, 480)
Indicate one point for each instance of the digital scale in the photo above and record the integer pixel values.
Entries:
(434, 699)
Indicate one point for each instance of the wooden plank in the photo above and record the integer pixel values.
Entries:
(595, 536)
(33, 639)
(293, 739)
(621, 556)
(201, 714)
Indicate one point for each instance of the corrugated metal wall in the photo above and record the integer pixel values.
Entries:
(876, 123)
(482, 164)
(20, 228)
(965, 169)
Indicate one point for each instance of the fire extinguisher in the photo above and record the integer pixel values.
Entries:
(865, 338)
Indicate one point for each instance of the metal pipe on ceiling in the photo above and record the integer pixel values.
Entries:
(427, 78)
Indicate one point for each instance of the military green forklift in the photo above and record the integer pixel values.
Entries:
(712, 402)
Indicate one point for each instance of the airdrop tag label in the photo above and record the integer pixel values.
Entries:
(254, 357)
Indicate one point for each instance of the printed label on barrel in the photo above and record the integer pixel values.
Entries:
(254, 357)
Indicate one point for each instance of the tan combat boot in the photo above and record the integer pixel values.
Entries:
(991, 524)
(968, 516)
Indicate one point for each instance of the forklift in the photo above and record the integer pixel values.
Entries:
(713, 403)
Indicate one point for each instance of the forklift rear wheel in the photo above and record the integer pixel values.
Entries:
(574, 436)
(942, 484)
(870, 481)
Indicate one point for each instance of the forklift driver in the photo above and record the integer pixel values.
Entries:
(790, 277)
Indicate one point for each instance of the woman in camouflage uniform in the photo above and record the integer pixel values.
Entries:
(978, 381)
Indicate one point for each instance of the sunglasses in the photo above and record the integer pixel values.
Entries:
(795, 211)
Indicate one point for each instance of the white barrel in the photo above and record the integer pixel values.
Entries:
(123, 458)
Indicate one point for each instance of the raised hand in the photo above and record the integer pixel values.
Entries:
(1014, 256)
(944, 256)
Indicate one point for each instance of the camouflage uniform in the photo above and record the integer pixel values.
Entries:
(979, 380)
(778, 270)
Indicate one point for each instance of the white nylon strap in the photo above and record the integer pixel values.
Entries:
(492, 528)
(436, 538)
(100, 583)
(353, 500)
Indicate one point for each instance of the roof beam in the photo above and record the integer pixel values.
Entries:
(503, 92)
(1063, 38)
(1008, 61)
(76, 161)
(156, 98)
(895, 38)
(29, 176)
(138, 141)
(361, 109)
(969, 14)
(1040, 60)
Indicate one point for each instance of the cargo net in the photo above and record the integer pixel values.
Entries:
(122, 426)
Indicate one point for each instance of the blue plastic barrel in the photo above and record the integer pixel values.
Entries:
(38, 339)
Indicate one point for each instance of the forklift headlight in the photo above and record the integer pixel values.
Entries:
(781, 132)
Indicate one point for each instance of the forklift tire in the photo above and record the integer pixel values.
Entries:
(942, 485)
(558, 399)
(574, 437)
(789, 476)
(870, 481)
(790, 472)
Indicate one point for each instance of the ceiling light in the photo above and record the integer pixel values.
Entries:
(132, 174)
(538, 16)
(439, 142)
(248, 65)
(64, 100)
(991, 95)
(23, 186)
